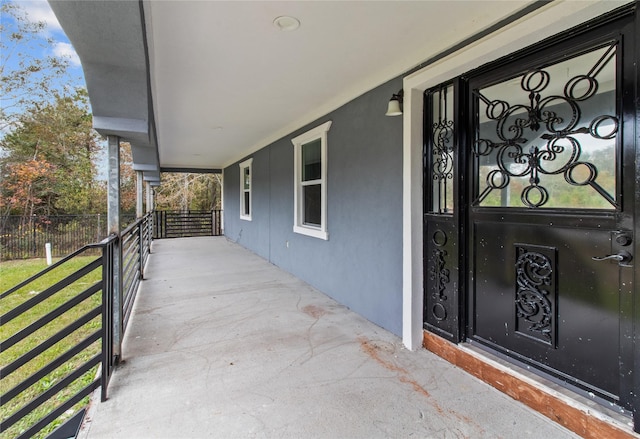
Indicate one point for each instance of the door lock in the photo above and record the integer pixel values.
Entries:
(623, 239)
(623, 257)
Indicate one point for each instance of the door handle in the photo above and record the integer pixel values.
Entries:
(623, 257)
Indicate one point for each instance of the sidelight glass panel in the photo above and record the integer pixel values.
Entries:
(441, 144)
(548, 138)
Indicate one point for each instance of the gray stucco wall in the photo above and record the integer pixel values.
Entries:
(360, 265)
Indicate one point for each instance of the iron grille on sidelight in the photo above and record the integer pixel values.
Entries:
(440, 159)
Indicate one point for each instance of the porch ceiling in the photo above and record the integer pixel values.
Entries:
(221, 81)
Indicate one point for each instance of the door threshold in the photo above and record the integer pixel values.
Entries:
(574, 412)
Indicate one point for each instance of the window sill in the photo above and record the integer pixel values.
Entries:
(315, 233)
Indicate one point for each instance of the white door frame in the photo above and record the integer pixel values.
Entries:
(530, 29)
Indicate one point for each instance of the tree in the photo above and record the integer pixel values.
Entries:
(22, 184)
(48, 149)
(26, 79)
(127, 180)
(188, 191)
(127, 185)
(57, 137)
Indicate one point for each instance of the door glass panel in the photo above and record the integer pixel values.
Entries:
(548, 138)
(441, 145)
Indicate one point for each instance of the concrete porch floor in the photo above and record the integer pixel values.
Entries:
(223, 344)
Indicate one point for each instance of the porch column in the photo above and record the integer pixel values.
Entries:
(149, 194)
(113, 227)
(139, 195)
(412, 218)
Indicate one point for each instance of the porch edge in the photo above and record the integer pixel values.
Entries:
(570, 413)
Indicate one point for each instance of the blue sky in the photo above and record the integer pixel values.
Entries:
(39, 11)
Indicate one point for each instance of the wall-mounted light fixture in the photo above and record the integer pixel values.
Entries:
(395, 104)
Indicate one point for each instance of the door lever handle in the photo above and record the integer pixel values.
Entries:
(623, 257)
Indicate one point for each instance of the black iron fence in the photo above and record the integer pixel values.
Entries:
(60, 330)
(185, 223)
(25, 237)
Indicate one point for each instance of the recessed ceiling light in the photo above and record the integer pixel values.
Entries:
(286, 23)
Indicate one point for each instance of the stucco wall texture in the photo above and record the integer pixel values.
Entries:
(360, 265)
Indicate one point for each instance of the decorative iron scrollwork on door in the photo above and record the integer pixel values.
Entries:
(535, 292)
(546, 136)
(442, 145)
(440, 275)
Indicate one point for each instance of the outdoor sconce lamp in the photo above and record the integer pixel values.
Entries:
(395, 104)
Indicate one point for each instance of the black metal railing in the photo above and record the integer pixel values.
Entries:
(58, 332)
(186, 223)
(35, 340)
(136, 246)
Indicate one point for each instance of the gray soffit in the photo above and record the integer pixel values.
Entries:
(109, 39)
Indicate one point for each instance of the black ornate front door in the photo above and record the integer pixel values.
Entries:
(551, 211)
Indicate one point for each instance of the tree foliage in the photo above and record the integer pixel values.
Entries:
(48, 149)
(25, 79)
(127, 180)
(188, 191)
(23, 185)
(47, 165)
(127, 185)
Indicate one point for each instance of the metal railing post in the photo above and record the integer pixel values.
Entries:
(107, 317)
(141, 245)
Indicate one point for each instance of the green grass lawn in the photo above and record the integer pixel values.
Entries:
(12, 273)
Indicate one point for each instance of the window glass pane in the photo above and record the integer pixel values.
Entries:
(312, 204)
(247, 178)
(547, 138)
(442, 146)
(311, 160)
(246, 203)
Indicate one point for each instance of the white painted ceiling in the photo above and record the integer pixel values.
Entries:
(225, 81)
(205, 83)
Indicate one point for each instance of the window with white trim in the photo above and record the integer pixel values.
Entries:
(310, 177)
(245, 190)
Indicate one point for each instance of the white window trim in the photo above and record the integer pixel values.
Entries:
(319, 132)
(243, 166)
